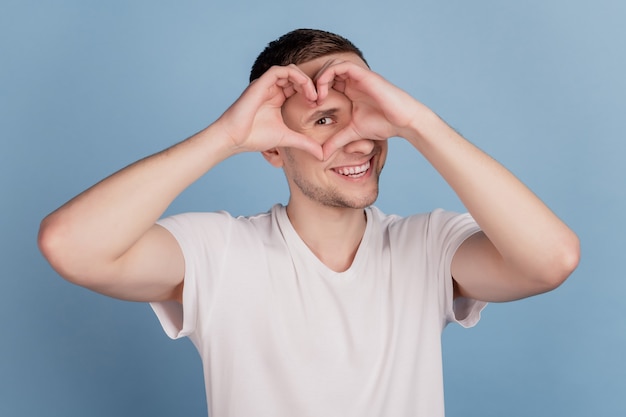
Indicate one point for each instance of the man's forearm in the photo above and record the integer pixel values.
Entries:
(527, 234)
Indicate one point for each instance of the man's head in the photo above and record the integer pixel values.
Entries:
(349, 178)
(299, 46)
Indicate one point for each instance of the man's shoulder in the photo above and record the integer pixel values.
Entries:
(217, 225)
(436, 221)
(396, 220)
(220, 216)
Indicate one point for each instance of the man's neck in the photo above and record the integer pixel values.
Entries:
(333, 234)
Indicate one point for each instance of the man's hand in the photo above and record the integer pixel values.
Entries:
(380, 110)
(255, 123)
(105, 238)
(523, 249)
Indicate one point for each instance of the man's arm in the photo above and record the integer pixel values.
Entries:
(106, 239)
(523, 249)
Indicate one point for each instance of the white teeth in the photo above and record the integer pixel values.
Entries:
(354, 171)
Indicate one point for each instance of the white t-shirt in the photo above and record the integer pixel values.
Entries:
(282, 335)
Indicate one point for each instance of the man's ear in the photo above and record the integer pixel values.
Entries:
(274, 156)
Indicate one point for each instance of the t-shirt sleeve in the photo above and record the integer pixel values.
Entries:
(202, 238)
(448, 231)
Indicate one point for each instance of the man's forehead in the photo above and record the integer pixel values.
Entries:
(317, 65)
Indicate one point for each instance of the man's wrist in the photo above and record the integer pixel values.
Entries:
(421, 126)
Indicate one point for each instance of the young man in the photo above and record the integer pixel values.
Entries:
(325, 307)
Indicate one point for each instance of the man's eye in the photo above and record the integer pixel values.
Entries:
(325, 121)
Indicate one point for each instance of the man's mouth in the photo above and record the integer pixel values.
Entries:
(354, 171)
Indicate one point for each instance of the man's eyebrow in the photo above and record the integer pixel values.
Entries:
(319, 114)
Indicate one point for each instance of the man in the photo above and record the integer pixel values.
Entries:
(325, 307)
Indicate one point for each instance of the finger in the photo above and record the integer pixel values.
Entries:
(296, 81)
(303, 142)
(340, 139)
(290, 79)
(323, 87)
(307, 91)
(335, 76)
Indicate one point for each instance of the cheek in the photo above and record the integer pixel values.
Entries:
(292, 111)
(297, 162)
(383, 152)
(287, 117)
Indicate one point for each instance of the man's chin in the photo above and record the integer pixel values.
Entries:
(357, 204)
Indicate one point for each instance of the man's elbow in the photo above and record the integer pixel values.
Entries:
(563, 262)
(55, 246)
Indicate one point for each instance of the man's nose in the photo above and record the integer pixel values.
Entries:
(362, 146)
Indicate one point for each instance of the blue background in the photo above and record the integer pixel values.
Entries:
(87, 87)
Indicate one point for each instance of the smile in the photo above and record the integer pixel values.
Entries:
(355, 171)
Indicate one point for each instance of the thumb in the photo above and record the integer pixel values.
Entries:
(297, 140)
(340, 139)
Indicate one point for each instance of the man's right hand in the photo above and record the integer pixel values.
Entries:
(106, 239)
(255, 123)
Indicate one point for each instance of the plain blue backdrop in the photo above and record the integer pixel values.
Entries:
(87, 87)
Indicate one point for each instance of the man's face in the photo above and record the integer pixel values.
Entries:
(349, 178)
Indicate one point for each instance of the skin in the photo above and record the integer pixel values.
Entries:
(321, 198)
(315, 121)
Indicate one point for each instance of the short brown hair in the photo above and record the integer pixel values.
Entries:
(299, 46)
